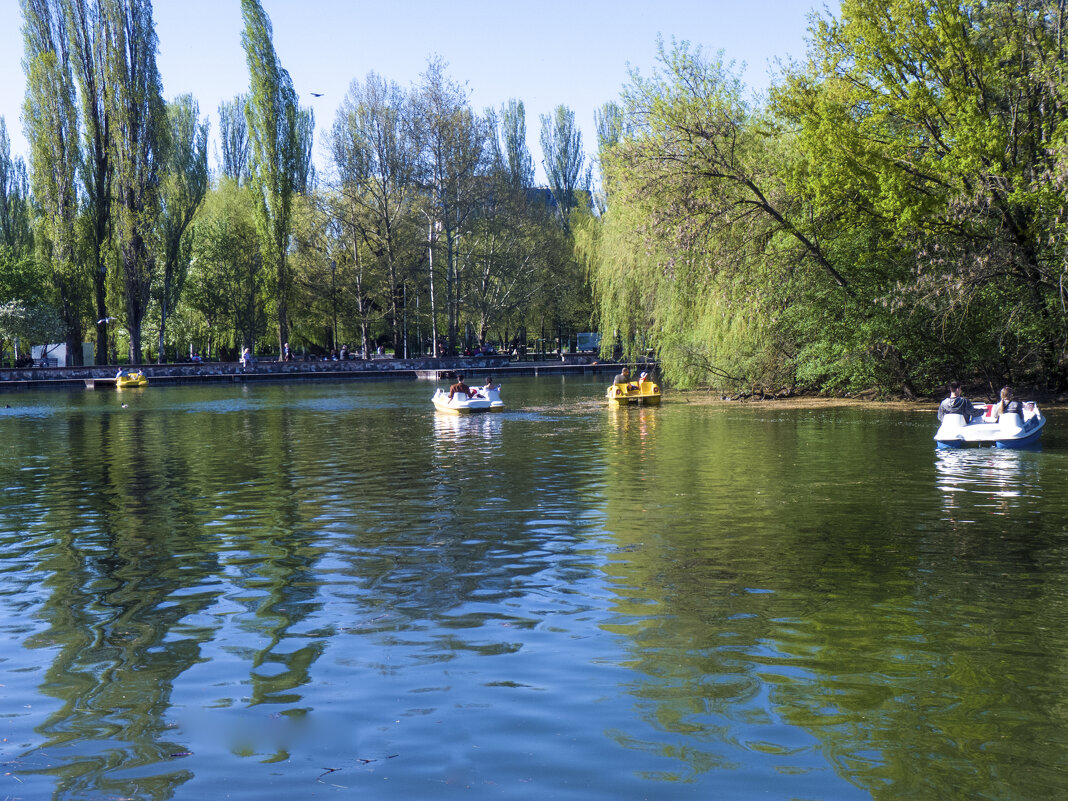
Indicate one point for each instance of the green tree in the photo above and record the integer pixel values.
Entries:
(33, 322)
(182, 188)
(226, 285)
(280, 134)
(452, 170)
(85, 27)
(714, 254)
(375, 159)
(609, 121)
(936, 132)
(508, 138)
(138, 134)
(233, 139)
(15, 223)
(51, 122)
(561, 146)
(513, 253)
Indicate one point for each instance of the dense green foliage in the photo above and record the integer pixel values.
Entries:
(894, 214)
(891, 214)
(425, 231)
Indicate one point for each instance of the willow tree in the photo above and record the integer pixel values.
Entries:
(182, 188)
(280, 134)
(704, 246)
(50, 118)
(138, 139)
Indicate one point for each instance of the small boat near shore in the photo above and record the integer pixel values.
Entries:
(1010, 430)
(642, 392)
(125, 380)
(484, 400)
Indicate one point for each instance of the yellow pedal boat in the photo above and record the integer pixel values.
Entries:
(125, 380)
(644, 393)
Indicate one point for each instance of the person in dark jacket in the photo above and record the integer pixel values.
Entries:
(955, 404)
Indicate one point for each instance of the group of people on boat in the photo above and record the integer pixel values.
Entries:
(460, 388)
(624, 379)
(958, 404)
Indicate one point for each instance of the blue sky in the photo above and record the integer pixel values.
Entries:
(574, 52)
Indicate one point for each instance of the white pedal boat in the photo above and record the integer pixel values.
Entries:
(484, 400)
(1010, 430)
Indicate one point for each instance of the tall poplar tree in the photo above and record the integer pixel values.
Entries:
(233, 139)
(517, 158)
(184, 183)
(138, 130)
(609, 122)
(14, 198)
(280, 134)
(50, 118)
(561, 144)
(85, 27)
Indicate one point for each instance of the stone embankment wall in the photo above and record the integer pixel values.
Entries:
(210, 372)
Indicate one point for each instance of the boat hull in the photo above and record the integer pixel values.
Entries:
(484, 401)
(130, 381)
(644, 394)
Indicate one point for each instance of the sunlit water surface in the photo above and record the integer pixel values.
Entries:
(329, 591)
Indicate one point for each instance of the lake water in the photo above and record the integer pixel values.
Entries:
(329, 591)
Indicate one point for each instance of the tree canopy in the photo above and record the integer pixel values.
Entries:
(891, 216)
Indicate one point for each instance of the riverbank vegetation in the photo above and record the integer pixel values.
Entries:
(891, 213)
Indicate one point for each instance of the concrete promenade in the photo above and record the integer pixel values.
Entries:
(500, 367)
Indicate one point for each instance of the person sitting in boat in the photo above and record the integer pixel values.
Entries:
(955, 404)
(1006, 405)
(490, 385)
(460, 388)
(624, 379)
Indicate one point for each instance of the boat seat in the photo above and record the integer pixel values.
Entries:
(954, 421)
(1010, 422)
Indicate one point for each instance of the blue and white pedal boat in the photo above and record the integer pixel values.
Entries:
(1010, 430)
